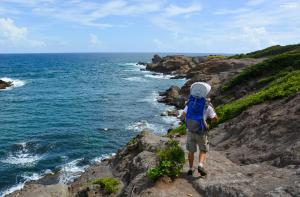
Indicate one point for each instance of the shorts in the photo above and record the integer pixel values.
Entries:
(194, 139)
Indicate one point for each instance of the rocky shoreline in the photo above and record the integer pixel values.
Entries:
(254, 154)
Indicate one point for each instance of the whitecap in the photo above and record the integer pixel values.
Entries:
(173, 121)
(22, 156)
(158, 76)
(102, 157)
(130, 64)
(135, 79)
(152, 98)
(71, 170)
(15, 82)
(144, 125)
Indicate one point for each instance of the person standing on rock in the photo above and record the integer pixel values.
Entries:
(195, 113)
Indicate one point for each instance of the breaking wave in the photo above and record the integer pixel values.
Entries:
(15, 82)
(21, 155)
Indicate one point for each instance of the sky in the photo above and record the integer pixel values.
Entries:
(191, 26)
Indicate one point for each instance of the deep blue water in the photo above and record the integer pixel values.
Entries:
(68, 110)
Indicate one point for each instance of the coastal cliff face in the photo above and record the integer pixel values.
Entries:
(255, 152)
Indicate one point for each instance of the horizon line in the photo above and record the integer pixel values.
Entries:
(24, 53)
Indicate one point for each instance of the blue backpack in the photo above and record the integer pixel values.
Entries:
(195, 114)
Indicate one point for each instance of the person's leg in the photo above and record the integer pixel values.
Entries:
(192, 148)
(191, 159)
(203, 147)
(202, 157)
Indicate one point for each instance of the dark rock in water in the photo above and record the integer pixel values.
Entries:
(172, 97)
(142, 63)
(179, 76)
(4, 84)
(156, 59)
(170, 64)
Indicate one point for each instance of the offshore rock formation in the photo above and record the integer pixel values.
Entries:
(4, 84)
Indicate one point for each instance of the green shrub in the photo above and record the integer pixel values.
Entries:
(110, 185)
(180, 130)
(171, 161)
(268, 67)
(132, 141)
(270, 51)
(279, 88)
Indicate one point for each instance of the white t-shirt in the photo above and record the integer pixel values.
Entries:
(209, 112)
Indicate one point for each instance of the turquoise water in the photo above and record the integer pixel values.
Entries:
(67, 111)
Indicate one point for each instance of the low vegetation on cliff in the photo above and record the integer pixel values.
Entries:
(279, 88)
(271, 67)
(180, 130)
(270, 51)
(171, 161)
(109, 185)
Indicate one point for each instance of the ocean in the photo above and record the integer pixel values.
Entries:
(68, 111)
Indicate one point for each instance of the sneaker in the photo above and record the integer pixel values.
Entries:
(202, 171)
(190, 172)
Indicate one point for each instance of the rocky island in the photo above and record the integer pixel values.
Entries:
(255, 147)
(4, 84)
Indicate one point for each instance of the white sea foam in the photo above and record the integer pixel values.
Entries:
(32, 177)
(22, 156)
(71, 170)
(158, 76)
(135, 79)
(152, 98)
(135, 67)
(104, 156)
(15, 82)
(144, 125)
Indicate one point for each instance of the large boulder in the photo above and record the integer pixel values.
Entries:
(172, 97)
(156, 59)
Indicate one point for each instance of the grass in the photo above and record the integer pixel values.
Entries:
(269, 67)
(268, 52)
(180, 130)
(171, 161)
(281, 87)
(110, 185)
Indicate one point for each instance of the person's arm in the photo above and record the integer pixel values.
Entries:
(183, 114)
(211, 114)
(182, 117)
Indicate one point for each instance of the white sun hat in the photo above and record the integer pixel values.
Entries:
(200, 89)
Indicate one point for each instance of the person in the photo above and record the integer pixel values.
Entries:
(195, 114)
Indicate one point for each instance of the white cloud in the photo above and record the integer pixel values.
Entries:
(94, 40)
(17, 36)
(89, 13)
(174, 10)
(290, 5)
(255, 2)
(230, 11)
